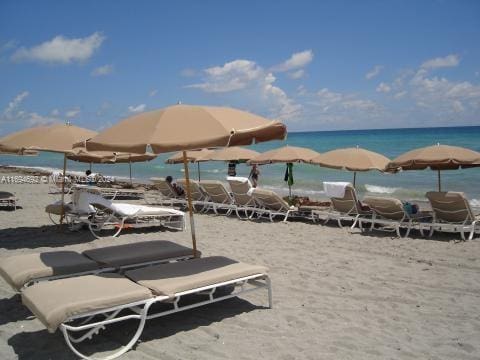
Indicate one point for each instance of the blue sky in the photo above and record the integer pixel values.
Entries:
(316, 65)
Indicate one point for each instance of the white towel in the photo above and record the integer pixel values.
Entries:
(335, 189)
(240, 179)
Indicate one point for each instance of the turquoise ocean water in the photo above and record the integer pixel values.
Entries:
(308, 178)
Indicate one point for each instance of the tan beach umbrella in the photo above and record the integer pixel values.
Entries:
(436, 157)
(352, 159)
(58, 138)
(108, 157)
(234, 153)
(286, 154)
(187, 127)
(194, 156)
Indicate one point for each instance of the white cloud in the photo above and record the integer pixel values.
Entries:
(103, 70)
(329, 100)
(61, 50)
(250, 80)
(451, 60)
(374, 72)
(400, 95)
(55, 112)
(232, 76)
(35, 119)
(296, 74)
(297, 60)
(137, 109)
(153, 92)
(383, 87)
(11, 44)
(13, 105)
(72, 113)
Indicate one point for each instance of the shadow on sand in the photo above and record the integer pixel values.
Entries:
(42, 345)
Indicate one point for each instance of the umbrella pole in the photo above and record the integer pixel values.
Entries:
(62, 213)
(439, 182)
(130, 166)
(354, 178)
(290, 192)
(189, 201)
(198, 169)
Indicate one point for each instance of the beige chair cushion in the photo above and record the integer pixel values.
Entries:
(387, 207)
(53, 302)
(56, 208)
(17, 270)
(138, 252)
(169, 279)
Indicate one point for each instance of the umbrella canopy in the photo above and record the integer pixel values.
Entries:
(234, 153)
(58, 138)
(286, 154)
(53, 138)
(192, 156)
(352, 159)
(187, 127)
(436, 157)
(108, 157)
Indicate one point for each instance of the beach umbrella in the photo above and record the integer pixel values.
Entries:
(352, 159)
(22, 153)
(80, 154)
(286, 154)
(436, 157)
(194, 156)
(187, 127)
(58, 138)
(234, 153)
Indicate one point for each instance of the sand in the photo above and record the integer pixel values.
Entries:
(337, 295)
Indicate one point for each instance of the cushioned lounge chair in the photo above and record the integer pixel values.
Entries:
(348, 208)
(8, 199)
(20, 271)
(273, 205)
(74, 305)
(390, 214)
(168, 196)
(452, 213)
(200, 198)
(114, 193)
(219, 196)
(241, 190)
(101, 214)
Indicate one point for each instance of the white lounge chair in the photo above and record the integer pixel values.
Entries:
(116, 216)
(200, 198)
(24, 270)
(220, 197)
(452, 213)
(74, 305)
(346, 207)
(273, 205)
(391, 215)
(8, 199)
(168, 196)
(241, 190)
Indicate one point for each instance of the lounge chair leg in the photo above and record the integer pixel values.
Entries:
(355, 222)
(128, 346)
(269, 288)
(472, 232)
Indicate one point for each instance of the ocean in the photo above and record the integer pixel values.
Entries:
(408, 185)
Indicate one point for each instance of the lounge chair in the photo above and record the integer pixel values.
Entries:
(241, 190)
(345, 206)
(391, 215)
(74, 305)
(115, 193)
(24, 270)
(110, 215)
(219, 196)
(452, 213)
(273, 205)
(168, 196)
(200, 198)
(8, 199)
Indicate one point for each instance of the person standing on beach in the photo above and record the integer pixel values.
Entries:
(254, 175)
(232, 168)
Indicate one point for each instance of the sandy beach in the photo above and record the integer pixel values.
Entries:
(337, 295)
